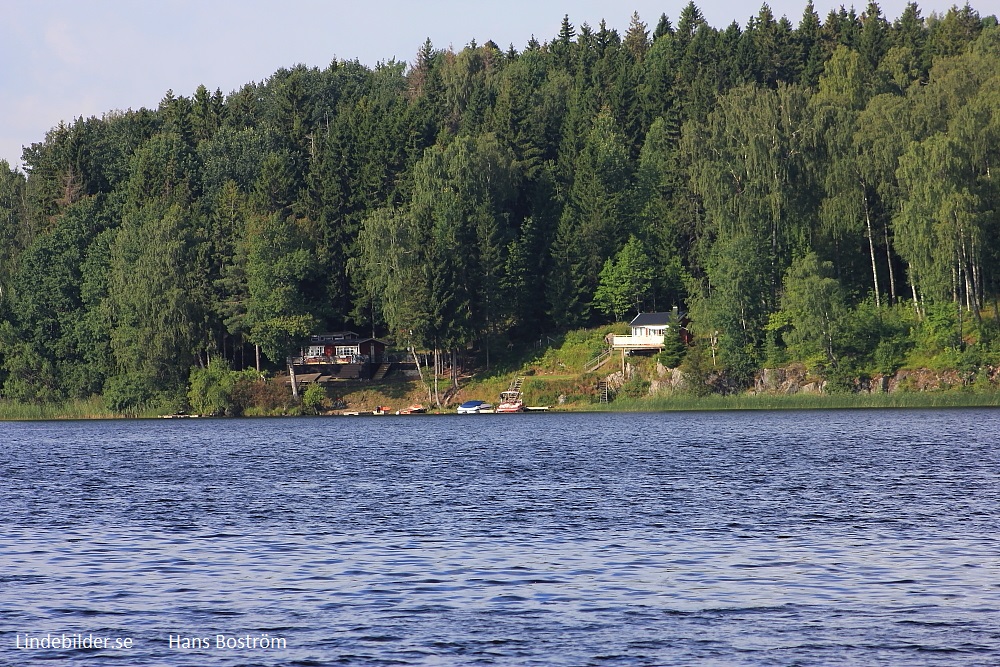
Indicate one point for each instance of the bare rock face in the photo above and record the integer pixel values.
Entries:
(615, 380)
(793, 379)
(925, 379)
(677, 380)
(667, 379)
(770, 379)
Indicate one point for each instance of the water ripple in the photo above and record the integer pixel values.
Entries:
(733, 539)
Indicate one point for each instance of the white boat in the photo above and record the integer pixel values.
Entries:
(510, 401)
(474, 407)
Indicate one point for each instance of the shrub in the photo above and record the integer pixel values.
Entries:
(128, 394)
(211, 390)
(635, 387)
(698, 370)
(218, 391)
(313, 398)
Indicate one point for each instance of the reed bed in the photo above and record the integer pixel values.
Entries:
(84, 408)
(955, 399)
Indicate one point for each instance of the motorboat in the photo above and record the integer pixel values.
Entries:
(474, 407)
(510, 401)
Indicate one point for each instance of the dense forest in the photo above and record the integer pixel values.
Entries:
(820, 192)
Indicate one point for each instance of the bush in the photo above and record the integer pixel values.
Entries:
(265, 398)
(842, 378)
(890, 354)
(939, 329)
(211, 389)
(128, 394)
(314, 398)
(636, 387)
(698, 370)
(219, 391)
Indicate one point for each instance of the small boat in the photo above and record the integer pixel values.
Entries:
(510, 401)
(414, 409)
(474, 407)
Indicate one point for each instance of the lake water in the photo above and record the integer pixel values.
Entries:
(739, 538)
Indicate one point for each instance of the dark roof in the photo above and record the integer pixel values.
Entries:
(373, 340)
(334, 336)
(654, 319)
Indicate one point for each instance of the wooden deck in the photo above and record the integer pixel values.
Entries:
(637, 342)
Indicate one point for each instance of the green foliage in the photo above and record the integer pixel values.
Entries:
(128, 393)
(153, 303)
(79, 408)
(635, 387)
(592, 221)
(876, 340)
(732, 308)
(895, 400)
(210, 391)
(698, 371)
(279, 261)
(673, 348)
(822, 193)
(626, 281)
(814, 306)
(314, 398)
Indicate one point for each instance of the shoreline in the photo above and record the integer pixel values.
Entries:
(92, 409)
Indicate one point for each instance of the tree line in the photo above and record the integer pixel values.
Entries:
(812, 191)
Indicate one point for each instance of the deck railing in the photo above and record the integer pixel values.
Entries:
(634, 342)
(324, 359)
(598, 361)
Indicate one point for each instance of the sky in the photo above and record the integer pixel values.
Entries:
(63, 59)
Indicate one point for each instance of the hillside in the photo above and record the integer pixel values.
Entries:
(819, 193)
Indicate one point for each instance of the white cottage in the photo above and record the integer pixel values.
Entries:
(648, 330)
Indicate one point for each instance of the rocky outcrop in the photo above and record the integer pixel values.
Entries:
(923, 379)
(667, 379)
(795, 379)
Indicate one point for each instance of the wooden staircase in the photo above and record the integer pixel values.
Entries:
(515, 385)
(597, 361)
(381, 372)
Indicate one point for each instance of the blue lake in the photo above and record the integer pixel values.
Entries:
(734, 538)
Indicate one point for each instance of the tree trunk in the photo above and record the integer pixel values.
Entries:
(888, 259)
(413, 351)
(437, 360)
(871, 248)
(969, 269)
